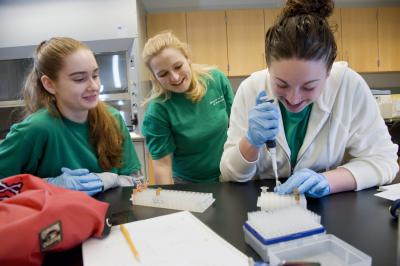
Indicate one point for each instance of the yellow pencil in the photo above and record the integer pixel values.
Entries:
(129, 240)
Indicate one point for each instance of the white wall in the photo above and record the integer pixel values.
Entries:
(143, 86)
(28, 22)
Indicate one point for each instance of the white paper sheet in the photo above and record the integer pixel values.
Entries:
(174, 239)
(390, 192)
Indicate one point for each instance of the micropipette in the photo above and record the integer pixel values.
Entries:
(271, 145)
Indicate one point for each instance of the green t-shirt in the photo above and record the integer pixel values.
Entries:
(41, 144)
(295, 125)
(194, 133)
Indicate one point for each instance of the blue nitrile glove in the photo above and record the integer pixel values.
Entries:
(75, 172)
(78, 179)
(263, 122)
(306, 181)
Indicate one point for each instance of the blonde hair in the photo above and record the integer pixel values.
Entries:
(200, 73)
(104, 130)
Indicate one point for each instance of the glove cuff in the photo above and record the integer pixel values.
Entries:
(127, 181)
(110, 180)
(251, 141)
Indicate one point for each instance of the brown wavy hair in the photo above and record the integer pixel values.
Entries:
(302, 31)
(104, 130)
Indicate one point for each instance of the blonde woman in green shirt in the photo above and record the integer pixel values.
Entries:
(187, 114)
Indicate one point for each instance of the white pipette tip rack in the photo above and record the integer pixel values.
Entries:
(266, 229)
(173, 199)
(268, 201)
(284, 230)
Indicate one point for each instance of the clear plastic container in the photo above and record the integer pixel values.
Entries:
(326, 249)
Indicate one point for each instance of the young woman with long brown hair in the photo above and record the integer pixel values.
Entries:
(66, 126)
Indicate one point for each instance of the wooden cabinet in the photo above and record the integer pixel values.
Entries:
(389, 39)
(245, 34)
(206, 31)
(367, 38)
(175, 22)
(335, 21)
(371, 38)
(360, 38)
(270, 16)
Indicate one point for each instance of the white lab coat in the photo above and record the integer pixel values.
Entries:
(345, 129)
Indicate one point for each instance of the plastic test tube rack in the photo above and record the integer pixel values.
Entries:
(268, 201)
(284, 230)
(277, 239)
(173, 199)
(266, 229)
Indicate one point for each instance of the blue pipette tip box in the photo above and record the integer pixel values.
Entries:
(308, 246)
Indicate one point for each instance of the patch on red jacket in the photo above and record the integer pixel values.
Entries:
(50, 236)
(9, 190)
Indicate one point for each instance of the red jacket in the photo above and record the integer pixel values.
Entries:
(36, 217)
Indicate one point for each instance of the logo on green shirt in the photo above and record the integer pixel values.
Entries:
(218, 100)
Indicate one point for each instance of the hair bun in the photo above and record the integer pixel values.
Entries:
(321, 8)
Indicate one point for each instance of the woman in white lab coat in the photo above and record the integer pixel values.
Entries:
(329, 133)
